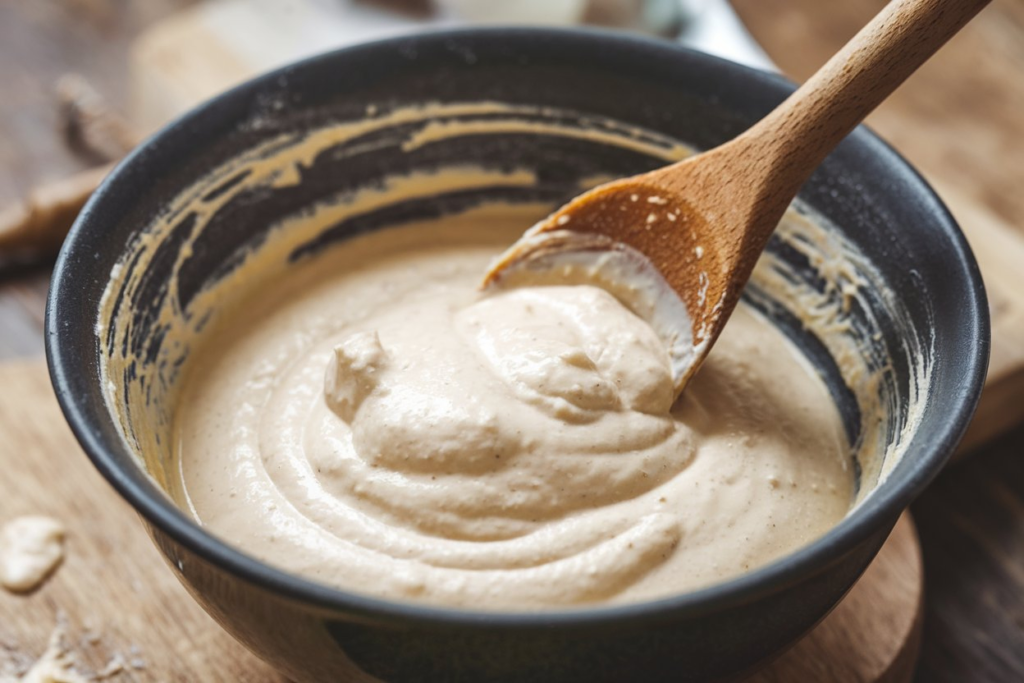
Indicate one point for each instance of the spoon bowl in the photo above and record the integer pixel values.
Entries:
(703, 222)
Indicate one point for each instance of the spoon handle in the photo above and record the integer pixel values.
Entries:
(797, 136)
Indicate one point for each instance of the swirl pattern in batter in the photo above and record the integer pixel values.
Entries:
(375, 423)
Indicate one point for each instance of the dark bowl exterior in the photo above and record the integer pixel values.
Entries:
(315, 633)
(308, 643)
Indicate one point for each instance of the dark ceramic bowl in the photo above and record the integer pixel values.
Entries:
(313, 632)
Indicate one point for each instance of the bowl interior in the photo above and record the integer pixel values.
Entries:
(527, 117)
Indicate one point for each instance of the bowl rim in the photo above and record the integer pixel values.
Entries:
(878, 511)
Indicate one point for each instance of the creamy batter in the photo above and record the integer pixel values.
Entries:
(372, 421)
(56, 665)
(31, 547)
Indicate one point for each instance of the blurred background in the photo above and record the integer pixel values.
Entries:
(82, 81)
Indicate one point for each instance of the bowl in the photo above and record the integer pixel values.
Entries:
(176, 216)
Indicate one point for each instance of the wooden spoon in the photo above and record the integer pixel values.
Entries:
(701, 223)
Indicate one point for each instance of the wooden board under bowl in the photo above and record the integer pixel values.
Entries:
(118, 599)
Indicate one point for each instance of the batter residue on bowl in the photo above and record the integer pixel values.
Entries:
(351, 408)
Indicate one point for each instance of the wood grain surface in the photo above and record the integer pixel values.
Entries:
(118, 600)
(958, 120)
(40, 41)
(113, 583)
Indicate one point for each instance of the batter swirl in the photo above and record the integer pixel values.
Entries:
(388, 429)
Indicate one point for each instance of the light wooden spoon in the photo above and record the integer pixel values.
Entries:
(701, 223)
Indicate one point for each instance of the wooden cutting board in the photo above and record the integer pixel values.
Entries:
(120, 602)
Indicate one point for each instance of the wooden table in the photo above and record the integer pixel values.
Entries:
(961, 120)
